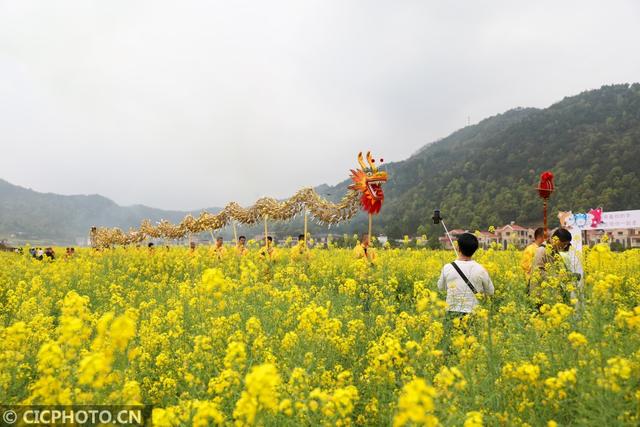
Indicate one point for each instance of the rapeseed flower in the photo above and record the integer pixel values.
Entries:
(221, 339)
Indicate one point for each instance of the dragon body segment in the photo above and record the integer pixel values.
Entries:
(365, 191)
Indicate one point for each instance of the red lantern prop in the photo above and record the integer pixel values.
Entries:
(545, 188)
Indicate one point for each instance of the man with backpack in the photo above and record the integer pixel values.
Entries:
(464, 278)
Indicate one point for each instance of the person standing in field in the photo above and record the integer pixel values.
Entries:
(269, 250)
(219, 249)
(558, 260)
(241, 249)
(464, 278)
(530, 251)
(300, 250)
(573, 264)
(545, 256)
(364, 251)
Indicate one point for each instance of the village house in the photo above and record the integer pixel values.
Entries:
(509, 234)
(486, 238)
(5, 247)
(627, 237)
(514, 234)
(444, 240)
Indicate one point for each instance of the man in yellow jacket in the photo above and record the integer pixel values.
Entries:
(530, 251)
(364, 251)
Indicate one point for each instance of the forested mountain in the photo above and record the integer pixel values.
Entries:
(486, 174)
(481, 175)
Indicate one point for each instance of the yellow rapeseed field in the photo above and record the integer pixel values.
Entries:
(318, 340)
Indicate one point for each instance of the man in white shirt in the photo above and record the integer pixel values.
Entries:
(464, 277)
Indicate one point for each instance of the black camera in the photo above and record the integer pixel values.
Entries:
(436, 216)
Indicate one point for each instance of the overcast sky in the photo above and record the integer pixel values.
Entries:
(189, 104)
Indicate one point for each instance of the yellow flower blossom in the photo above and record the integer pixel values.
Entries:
(224, 340)
(474, 419)
(260, 394)
(416, 405)
(577, 339)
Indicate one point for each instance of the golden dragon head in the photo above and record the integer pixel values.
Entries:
(368, 181)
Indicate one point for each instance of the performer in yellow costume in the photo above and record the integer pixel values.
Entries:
(300, 251)
(219, 249)
(364, 251)
(269, 251)
(241, 248)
